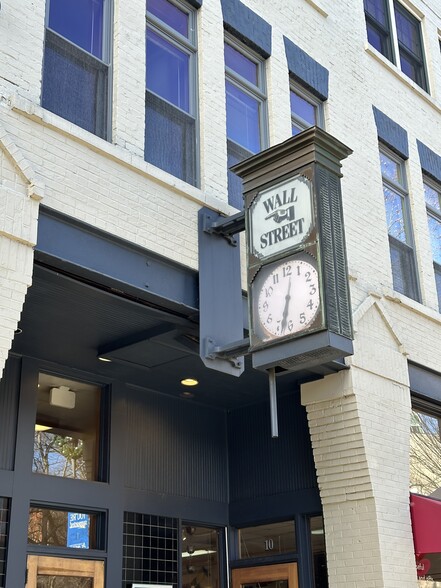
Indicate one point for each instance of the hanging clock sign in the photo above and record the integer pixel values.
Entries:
(281, 217)
(298, 289)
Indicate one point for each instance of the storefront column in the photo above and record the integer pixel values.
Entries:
(20, 194)
(359, 422)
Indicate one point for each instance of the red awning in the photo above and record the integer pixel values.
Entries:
(426, 524)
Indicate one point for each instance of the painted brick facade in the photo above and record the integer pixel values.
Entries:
(359, 419)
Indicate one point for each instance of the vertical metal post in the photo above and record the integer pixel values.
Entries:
(273, 403)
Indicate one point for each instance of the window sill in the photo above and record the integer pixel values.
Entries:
(120, 155)
(399, 74)
(316, 5)
(413, 305)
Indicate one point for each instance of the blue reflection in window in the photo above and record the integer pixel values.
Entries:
(390, 168)
(169, 14)
(168, 71)
(303, 108)
(394, 214)
(243, 118)
(79, 21)
(432, 197)
(241, 64)
(408, 32)
(376, 9)
(375, 39)
(435, 237)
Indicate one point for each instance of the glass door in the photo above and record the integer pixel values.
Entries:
(63, 572)
(275, 576)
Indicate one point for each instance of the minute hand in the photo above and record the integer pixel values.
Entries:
(285, 310)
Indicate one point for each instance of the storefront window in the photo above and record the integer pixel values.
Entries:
(60, 528)
(425, 453)
(4, 520)
(67, 428)
(200, 557)
(267, 540)
(318, 547)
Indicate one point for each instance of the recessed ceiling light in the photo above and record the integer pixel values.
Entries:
(189, 382)
(105, 359)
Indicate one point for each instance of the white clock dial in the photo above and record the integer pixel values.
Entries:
(289, 298)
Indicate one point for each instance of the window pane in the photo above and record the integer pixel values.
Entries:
(80, 21)
(410, 68)
(376, 39)
(390, 169)
(267, 540)
(318, 552)
(377, 9)
(432, 197)
(74, 85)
(425, 453)
(150, 550)
(4, 522)
(243, 118)
(235, 154)
(200, 557)
(403, 269)
(170, 138)
(295, 128)
(61, 528)
(303, 108)
(168, 71)
(237, 61)
(394, 214)
(438, 284)
(65, 581)
(66, 428)
(435, 237)
(170, 14)
(408, 30)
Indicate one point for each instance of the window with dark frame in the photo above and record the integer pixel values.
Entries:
(171, 94)
(69, 435)
(432, 193)
(406, 50)
(318, 548)
(399, 228)
(306, 110)
(246, 110)
(76, 63)
(4, 523)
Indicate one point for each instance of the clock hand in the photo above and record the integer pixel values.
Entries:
(285, 310)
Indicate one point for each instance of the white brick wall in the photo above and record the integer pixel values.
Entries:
(361, 454)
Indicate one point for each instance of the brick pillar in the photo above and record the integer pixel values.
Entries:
(359, 422)
(19, 200)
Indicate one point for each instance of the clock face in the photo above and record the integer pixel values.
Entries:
(289, 299)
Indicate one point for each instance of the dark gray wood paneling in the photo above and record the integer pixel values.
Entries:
(9, 394)
(175, 447)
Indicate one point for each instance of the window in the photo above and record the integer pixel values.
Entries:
(398, 225)
(171, 109)
(318, 548)
(200, 556)
(246, 111)
(59, 528)
(76, 63)
(267, 540)
(406, 50)
(4, 522)
(432, 194)
(306, 110)
(67, 429)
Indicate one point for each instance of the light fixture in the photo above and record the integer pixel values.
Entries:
(197, 552)
(105, 359)
(317, 531)
(189, 382)
(41, 428)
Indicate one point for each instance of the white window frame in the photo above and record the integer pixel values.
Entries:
(436, 214)
(394, 43)
(297, 120)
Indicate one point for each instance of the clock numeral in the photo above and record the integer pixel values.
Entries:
(287, 270)
(298, 270)
(302, 318)
(275, 278)
(268, 292)
(290, 326)
(308, 276)
(269, 319)
(265, 306)
(312, 289)
(278, 326)
(310, 304)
